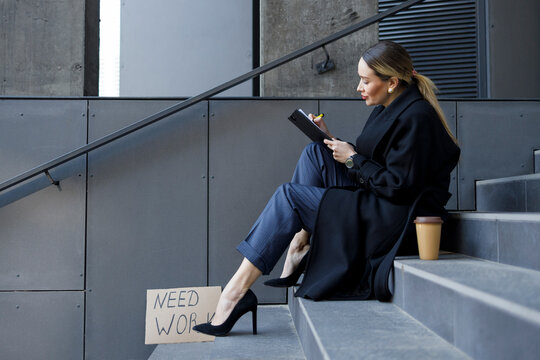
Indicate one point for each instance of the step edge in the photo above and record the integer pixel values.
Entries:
(534, 176)
(302, 309)
(521, 311)
(504, 216)
(432, 332)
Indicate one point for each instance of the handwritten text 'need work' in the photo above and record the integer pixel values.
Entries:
(172, 313)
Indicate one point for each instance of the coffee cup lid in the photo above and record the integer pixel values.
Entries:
(428, 220)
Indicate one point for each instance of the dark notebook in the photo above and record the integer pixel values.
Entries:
(308, 127)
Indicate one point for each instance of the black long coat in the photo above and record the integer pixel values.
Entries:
(403, 149)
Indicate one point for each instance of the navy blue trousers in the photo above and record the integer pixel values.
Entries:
(293, 206)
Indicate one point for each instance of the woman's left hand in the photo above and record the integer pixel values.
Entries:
(341, 150)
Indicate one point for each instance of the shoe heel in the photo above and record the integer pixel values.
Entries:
(246, 304)
(254, 312)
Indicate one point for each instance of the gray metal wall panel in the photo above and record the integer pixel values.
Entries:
(253, 149)
(35, 131)
(449, 109)
(147, 219)
(497, 139)
(42, 238)
(42, 325)
(345, 118)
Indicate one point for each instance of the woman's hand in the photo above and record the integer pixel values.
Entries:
(321, 124)
(341, 150)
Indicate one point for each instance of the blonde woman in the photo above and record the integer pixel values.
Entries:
(352, 199)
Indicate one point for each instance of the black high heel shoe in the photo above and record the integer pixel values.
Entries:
(247, 303)
(291, 279)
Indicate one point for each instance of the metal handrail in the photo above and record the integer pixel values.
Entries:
(44, 168)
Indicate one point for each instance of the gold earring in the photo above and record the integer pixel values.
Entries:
(390, 90)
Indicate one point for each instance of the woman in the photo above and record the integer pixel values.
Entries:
(354, 200)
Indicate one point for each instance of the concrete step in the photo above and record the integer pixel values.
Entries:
(537, 161)
(276, 339)
(508, 238)
(364, 330)
(515, 194)
(488, 310)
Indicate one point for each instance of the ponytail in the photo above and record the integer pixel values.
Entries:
(428, 89)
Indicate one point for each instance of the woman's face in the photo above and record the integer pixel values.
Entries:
(374, 90)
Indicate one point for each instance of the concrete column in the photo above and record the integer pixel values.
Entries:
(289, 25)
(49, 48)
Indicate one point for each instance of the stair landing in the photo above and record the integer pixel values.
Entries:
(276, 339)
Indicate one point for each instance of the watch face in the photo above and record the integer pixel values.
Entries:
(349, 163)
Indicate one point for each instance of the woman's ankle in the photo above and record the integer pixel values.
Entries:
(293, 260)
(299, 240)
(227, 301)
(235, 290)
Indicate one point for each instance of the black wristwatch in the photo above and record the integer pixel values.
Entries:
(349, 163)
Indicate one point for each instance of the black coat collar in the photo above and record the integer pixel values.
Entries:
(402, 102)
(384, 118)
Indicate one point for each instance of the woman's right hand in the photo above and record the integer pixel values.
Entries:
(321, 124)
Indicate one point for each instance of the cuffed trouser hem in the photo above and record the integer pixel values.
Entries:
(253, 256)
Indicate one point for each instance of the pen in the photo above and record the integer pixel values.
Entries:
(319, 116)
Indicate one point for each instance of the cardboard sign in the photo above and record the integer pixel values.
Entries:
(172, 313)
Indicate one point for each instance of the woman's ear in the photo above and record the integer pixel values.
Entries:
(393, 83)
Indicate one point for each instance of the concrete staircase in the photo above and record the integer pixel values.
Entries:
(485, 298)
(479, 301)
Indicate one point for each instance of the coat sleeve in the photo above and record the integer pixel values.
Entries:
(403, 170)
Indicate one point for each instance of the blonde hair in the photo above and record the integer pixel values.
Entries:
(388, 59)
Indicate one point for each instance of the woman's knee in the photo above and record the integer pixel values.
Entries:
(314, 147)
(285, 192)
(283, 189)
(312, 152)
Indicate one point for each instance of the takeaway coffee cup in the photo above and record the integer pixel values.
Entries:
(428, 233)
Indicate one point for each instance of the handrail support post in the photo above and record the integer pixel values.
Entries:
(54, 182)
